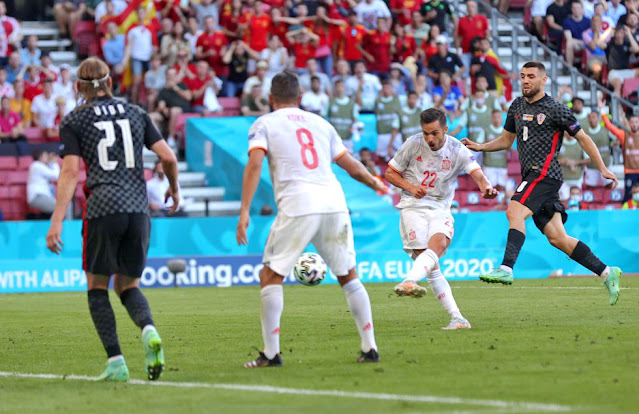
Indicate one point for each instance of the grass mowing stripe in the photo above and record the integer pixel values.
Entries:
(528, 406)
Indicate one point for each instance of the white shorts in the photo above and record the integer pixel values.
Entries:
(382, 144)
(331, 234)
(564, 191)
(594, 178)
(539, 8)
(622, 74)
(497, 176)
(418, 225)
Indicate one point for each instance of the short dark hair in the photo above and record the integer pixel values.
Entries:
(285, 87)
(535, 64)
(315, 78)
(386, 81)
(431, 115)
(577, 99)
(38, 153)
(412, 93)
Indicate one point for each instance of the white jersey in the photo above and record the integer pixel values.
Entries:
(436, 170)
(300, 147)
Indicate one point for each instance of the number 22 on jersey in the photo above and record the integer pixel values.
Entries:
(109, 140)
(432, 176)
(305, 139)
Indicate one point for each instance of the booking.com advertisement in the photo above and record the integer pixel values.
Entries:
(223, 271)
(213, 258)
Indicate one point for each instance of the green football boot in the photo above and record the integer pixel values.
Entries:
(115, 371)
(154, 353)
(612, 284)
(498, 275)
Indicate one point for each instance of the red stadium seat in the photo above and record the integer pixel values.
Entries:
(231, 106)
(613, 196)
(8, 163)
(24, 162)
(17, 177)
(4, 193)
(86, 39)
(629, 86)
(18, 192)
(466, 182)
(35, 135)
(513, 168)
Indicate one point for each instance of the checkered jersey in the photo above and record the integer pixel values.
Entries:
(109, 134)
(540, 129)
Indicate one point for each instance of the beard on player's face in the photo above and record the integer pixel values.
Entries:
(532, 91)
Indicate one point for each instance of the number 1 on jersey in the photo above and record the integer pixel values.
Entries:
(307, 147)
(109, 141)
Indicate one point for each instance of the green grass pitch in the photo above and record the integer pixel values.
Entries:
(554, 341)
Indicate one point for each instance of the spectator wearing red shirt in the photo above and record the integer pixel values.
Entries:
(279, 27)
(34, 76)
(10, 123)
(304, 44)
(403, 45)
(170, 9)
(324, 27)
(230, 19)
(403, 9)
(469, 27)
(198, 84)
(377, 47)
(258, 27)
(352, 38)
(183, 68)
(211, 46)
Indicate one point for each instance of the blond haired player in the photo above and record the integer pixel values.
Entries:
(426, 168)
(300, 148)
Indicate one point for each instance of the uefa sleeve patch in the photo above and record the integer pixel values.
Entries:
(574, 126)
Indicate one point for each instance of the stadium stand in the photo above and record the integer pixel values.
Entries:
(179, 30)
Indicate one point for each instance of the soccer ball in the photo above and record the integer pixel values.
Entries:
(310, 269)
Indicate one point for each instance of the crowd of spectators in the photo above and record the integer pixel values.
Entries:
(392, 59)
(600, 36)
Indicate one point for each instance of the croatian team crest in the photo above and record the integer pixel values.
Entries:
(540, 118)
(446, 164)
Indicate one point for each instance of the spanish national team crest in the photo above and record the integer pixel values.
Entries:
(446, 164)
(540, 118)
(412, 235)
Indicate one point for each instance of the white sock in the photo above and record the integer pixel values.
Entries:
(507, 269)
(605, 273)
(423, 265)
(272, 299)
(147, 328)
(360, 305)
(441, 289)
(115, 358)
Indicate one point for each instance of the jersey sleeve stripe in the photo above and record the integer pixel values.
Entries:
(258, 148)
(473, 170)
(395, 169)
(544, 171)
(340, 155)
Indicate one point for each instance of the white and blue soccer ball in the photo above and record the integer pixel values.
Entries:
(310, 269)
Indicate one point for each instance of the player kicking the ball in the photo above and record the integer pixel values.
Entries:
(426, 168)
(300, 147)
(539, 122)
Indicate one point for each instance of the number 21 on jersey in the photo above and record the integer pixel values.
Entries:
(109, 140)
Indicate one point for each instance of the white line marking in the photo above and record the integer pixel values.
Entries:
(517, 406)
(539, 287)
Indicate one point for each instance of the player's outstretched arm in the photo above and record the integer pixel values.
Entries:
(67, 181)
(250, 181)
(358, 171)
(170, 166)
(593, 152)
(505, 141)
(486, 188)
